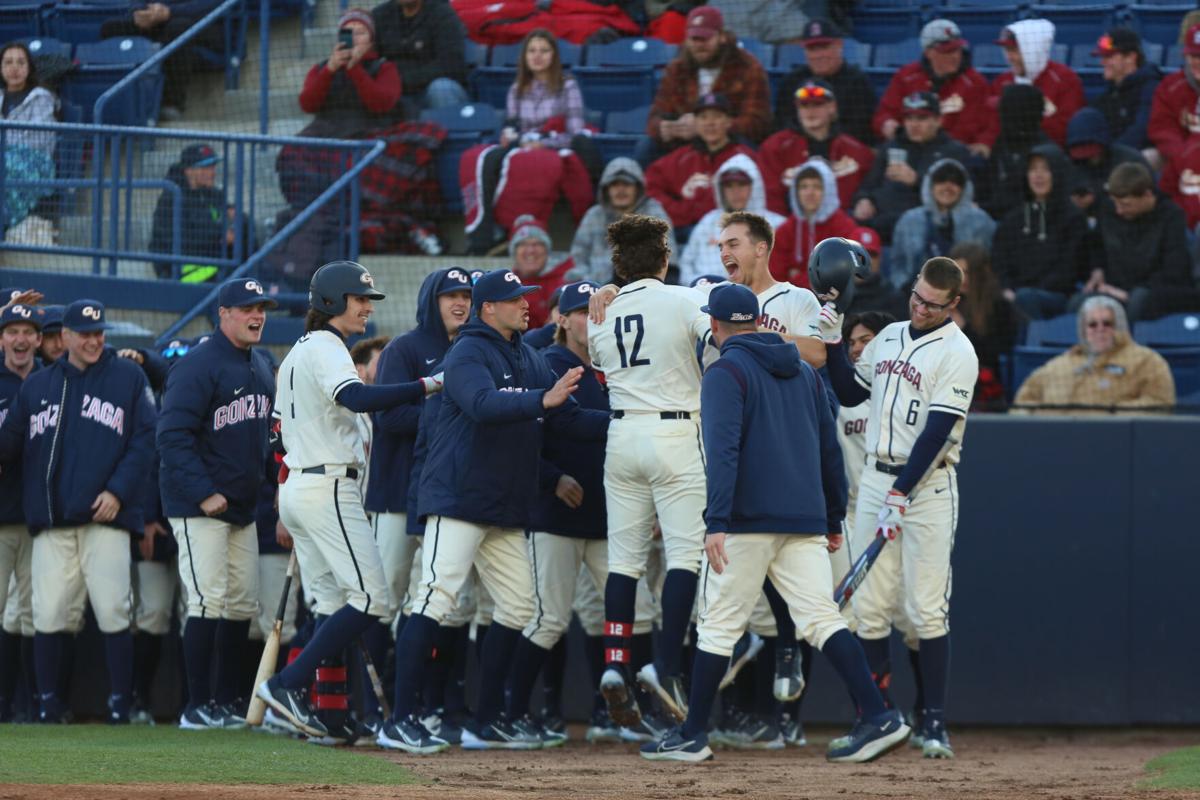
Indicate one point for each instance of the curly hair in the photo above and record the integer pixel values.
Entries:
(640, 247)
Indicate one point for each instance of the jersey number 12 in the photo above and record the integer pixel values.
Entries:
(631, 324)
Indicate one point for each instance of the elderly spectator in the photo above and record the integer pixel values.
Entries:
(1107, 371)
(1002, 181)
(1174, 121)
(206, 218)
(988, 319)
(1129, 85)
(815, 216)
(709, 62)
(944, 69)
(946, 217)
(819, 133)
(823, 52)
(425, 40)
(1093, 155)
(529, 249)
(893, 184)
(28, 154)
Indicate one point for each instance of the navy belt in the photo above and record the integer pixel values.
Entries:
(661, 414)
(351, 472)
(896, 469)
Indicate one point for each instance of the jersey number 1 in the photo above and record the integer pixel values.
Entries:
(631, 324)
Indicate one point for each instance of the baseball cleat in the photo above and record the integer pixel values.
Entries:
(118, 709)
(367, 730)
(789, 676)
(231, 720)
(676, 748)
(618, 696)
(200, 718)
(501, 734)
(756, 734)
(746, 650)
(870, 739)
(275, 724)
(410, 735)
(292, 705)
(602, 729)
(532, 727)
(344, 734)
(793, 731)
(917, 723)
(669, 689)
(935, 741)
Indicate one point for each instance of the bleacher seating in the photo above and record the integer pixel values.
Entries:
(465, 128)
(632, 52)
(621, 133)
(79, 23)
(1176, 330)
(20, 21)
(101, 65)
(764, 52)
(1076, 22)
(1059, 332)
(981, 20)
(888, 22)
(1159, 22)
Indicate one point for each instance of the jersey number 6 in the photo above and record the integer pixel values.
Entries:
(631, 324)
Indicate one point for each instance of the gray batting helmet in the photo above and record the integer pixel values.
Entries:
(332, 282)
(834, 264)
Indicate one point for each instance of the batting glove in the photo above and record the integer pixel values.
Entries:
(433, 383)
(829, 324)
(892, 513)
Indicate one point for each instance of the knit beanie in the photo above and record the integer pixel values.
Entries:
(525, 227)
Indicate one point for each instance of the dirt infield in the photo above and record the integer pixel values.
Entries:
(990, 764)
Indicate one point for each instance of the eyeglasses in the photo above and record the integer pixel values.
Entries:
(932, 308)
(1101, 323)
(813, 93)
(176, 351)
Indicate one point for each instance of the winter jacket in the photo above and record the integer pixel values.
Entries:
(1126, 106)
(424, 47)
(213, 429)
(1090, 127)
(582, 459)
(11, 512)
(414, 523)
(921, 232)
(1129, 376)
(1002, 182)
(77, 434)
(590, 250)
(964, 98)
(772, 457)
(37, 106)
(741, 79)
(350, 103)
(666, 176)
(484, 454)
(1174, 121)
(406, 358)
(1041, 245)
(850, 159)
(203, 222)
(1061, 88)
(855, 95)
(266, 510)
(1150, 251)
(796, 238)
(1181, 182)
(700, 256)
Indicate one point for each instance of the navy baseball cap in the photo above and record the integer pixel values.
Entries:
(241, 292)
(21, 313)
(708, 280)
(52, 319)
(732, 302)
(498, 286)
(576, 295)
(198, 155)
(85, 316)
(456, 279)
(922, 103)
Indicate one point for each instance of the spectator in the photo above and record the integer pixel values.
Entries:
(425, 40)
(206, 219)
(1107, 370)
(945, 70)
(28, 154)
(819, 133)
(1129, 86)
(946, 217)
(1181, 182)
(1093, 155)
(739, 188)
(1039, 246)
(989, 320)
(709, 62)
(529, 249)
(1141, 254)
(815, 216)
(1027, 46)
(892, 185)
(775, 21)
(682, 180)
(1002, 182)
(1174, 120)
(823, 49)
(622, 191)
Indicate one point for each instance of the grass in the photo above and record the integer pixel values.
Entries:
(162, 754)
(1179, 769)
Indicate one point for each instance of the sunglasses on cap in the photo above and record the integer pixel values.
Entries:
(916, 104)
(809, 94)
(176, 351)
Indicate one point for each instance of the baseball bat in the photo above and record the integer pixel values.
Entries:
(270, 656)
(376, 684)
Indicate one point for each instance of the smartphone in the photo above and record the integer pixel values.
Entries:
(345, 39)
(897, 155)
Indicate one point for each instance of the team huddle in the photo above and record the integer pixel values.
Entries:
(672, 462)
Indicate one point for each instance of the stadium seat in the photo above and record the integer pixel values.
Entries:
(631, 52)
(764, 52)
(989, 59)
(20, 21)
(622, 129)
(1173, 60)
(1176, 330)
(1076, 22)
(465, 127)
(980, 21)
(1057, 332)
(1026, 359)
(1185, 368)
(887, 22)
(45, 46)
(474, 54)
(102, 64)
(1159, 22)
(609, 89)
(79, 23)
(490, 84)
(893, 55)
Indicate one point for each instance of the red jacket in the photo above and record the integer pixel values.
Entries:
(1173, 117)
(547, 283)
(795, 240)
(666, 176)
(1181, 181)
(1063, 91)
(964, 118)
(378, 93)
(850, 159)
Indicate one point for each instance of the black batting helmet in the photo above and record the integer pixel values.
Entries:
(332, 282)
(834, 264)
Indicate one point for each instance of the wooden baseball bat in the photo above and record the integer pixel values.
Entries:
(376, 684)
(270, 656)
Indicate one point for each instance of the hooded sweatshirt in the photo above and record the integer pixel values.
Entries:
(10, 473)
(772, 457)
(1002, 184)
(1126, 105)
(1174, 117)
(1181, 181)
(1040, 244)
(850, 159)
(923, 232)
(701, 257)
(964, 98)
(796, 238)
(1061, 88)
(1089, 126)
(666, 177)
(590, 250)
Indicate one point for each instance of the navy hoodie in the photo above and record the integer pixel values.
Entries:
(414, 523)
(485, 451)
(212, 434)
(582, 459)
(10, 474)
(80, 433)
(406, 358)
(266, 514)
(770, 442)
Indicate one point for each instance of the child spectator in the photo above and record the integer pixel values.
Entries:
(622, 191)
(815, 216)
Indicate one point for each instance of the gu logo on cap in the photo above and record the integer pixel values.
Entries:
(91, 312)
(586, 288)
(254, 286)
(511, 276)
(456, 274)
(21, 311)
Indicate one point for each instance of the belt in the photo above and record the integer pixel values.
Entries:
(896, 469)
(350, 472)
(661, 414)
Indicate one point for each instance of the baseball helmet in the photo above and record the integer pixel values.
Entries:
(834, 264)
(331, 283)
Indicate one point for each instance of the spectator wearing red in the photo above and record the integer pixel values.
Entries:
(529, 248)
(818, 133)
(353, 90)
(944, 69)
(1027, 47)
(682, 180)
(815, 216)
(1174, 117)
(1129, 85)
(1181, 182)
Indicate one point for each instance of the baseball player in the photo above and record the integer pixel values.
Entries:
(320, 503)
(84, 430)
(478, 483)
(52, 347)
(770, 441)
(212, 436)
(919, 376)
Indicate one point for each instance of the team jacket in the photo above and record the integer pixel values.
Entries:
(666, 176)
(414, 523)
(212, 434)
(850, 159)
(770, 442)
(1173, 118)
(582, 459)
(406, 358)
(964, 99)
(485, 451)
(79, 434)
(266, 513)
(10, 473)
